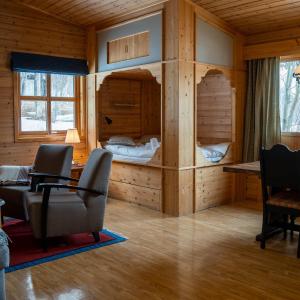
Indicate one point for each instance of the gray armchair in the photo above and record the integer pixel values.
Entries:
(68, 212)
(4, 262)
(50, 159)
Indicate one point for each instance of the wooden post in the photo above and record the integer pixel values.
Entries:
(178, 109)
(91, 89)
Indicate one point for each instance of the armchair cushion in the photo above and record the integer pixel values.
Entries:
(14, 196)
(65, 213)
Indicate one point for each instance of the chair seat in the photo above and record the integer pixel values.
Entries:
(289, 199)
(65, 210)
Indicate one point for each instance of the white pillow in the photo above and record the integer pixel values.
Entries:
(121, 140)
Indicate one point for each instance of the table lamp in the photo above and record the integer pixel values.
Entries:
(72, 137)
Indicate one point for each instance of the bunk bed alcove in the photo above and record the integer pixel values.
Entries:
(129, 106)
(215, 145)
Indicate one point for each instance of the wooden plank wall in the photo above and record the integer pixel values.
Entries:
(214, 110)
(23, 29)
(134, 106)
(136, 184)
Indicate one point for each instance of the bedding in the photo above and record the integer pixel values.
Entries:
(141, 152)
(121, 140)
(214, 153)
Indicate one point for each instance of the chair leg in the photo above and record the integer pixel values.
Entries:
(96, 236)
(286, 220)
(264, 225)
(298, 250)
(292, 223)
(44, 243)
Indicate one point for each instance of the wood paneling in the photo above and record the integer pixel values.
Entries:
(136, 184)
(133, 106)
(128, 47)
(22, 29)
(151, 107)
(214, 109)
(250, 17)
(271, 49)
(292, 141)
(120, 101)
(90, 11)
(214, 187)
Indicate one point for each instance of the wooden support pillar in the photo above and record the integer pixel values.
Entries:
(91, 89)
(178, 135)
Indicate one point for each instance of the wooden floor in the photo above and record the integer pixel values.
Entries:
(210, 255)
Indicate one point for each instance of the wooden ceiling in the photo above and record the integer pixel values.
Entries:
(87, 12)
(255, 16)
(247, 16)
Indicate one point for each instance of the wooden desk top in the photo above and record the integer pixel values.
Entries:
(247, 168)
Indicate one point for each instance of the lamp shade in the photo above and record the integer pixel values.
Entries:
(72, 136)
(297, 70)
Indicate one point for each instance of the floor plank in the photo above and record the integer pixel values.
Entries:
(209, 255)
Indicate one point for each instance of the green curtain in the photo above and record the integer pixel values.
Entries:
(262, 117)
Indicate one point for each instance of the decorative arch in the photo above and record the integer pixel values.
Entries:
(215, 103)
(137, 111)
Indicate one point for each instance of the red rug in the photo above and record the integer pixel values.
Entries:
(26, 251)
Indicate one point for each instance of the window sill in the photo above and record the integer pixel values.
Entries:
(27, 138)
(290, 134)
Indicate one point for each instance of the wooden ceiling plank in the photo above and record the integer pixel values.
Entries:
(263, 9)
(120, 10)
(96, 7)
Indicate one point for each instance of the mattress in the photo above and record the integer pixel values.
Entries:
(138, 153)
(125, 158)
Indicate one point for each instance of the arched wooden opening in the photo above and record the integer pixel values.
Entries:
(215, 98)
(129, 103)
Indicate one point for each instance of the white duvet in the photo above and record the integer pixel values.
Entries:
(214, 153)
(140, 151)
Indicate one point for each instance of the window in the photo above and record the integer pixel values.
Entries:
(47, 104)
(289, 97)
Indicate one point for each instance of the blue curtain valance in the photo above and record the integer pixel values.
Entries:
(27, 62)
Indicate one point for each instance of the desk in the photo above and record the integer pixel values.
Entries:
(245, 168)
(252, 168)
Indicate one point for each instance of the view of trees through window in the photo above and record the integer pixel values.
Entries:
(289, 97)
(44, 110)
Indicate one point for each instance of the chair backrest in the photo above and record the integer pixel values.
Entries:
(54, 159)
(95, 175)
(280, 168)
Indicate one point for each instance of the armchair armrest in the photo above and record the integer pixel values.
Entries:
(49, 186)
(46, 175)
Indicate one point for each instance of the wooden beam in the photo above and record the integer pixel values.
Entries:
(92, 49)
(178, 113)
(271, 49)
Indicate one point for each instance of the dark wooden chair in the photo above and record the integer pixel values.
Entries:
(280, 178)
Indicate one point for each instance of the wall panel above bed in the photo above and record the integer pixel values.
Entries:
(131, 44)
(213, 46)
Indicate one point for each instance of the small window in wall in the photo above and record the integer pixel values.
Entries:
(289, 97)
(46, 104)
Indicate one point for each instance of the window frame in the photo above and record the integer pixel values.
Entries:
(287, 59)
(45, 135)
